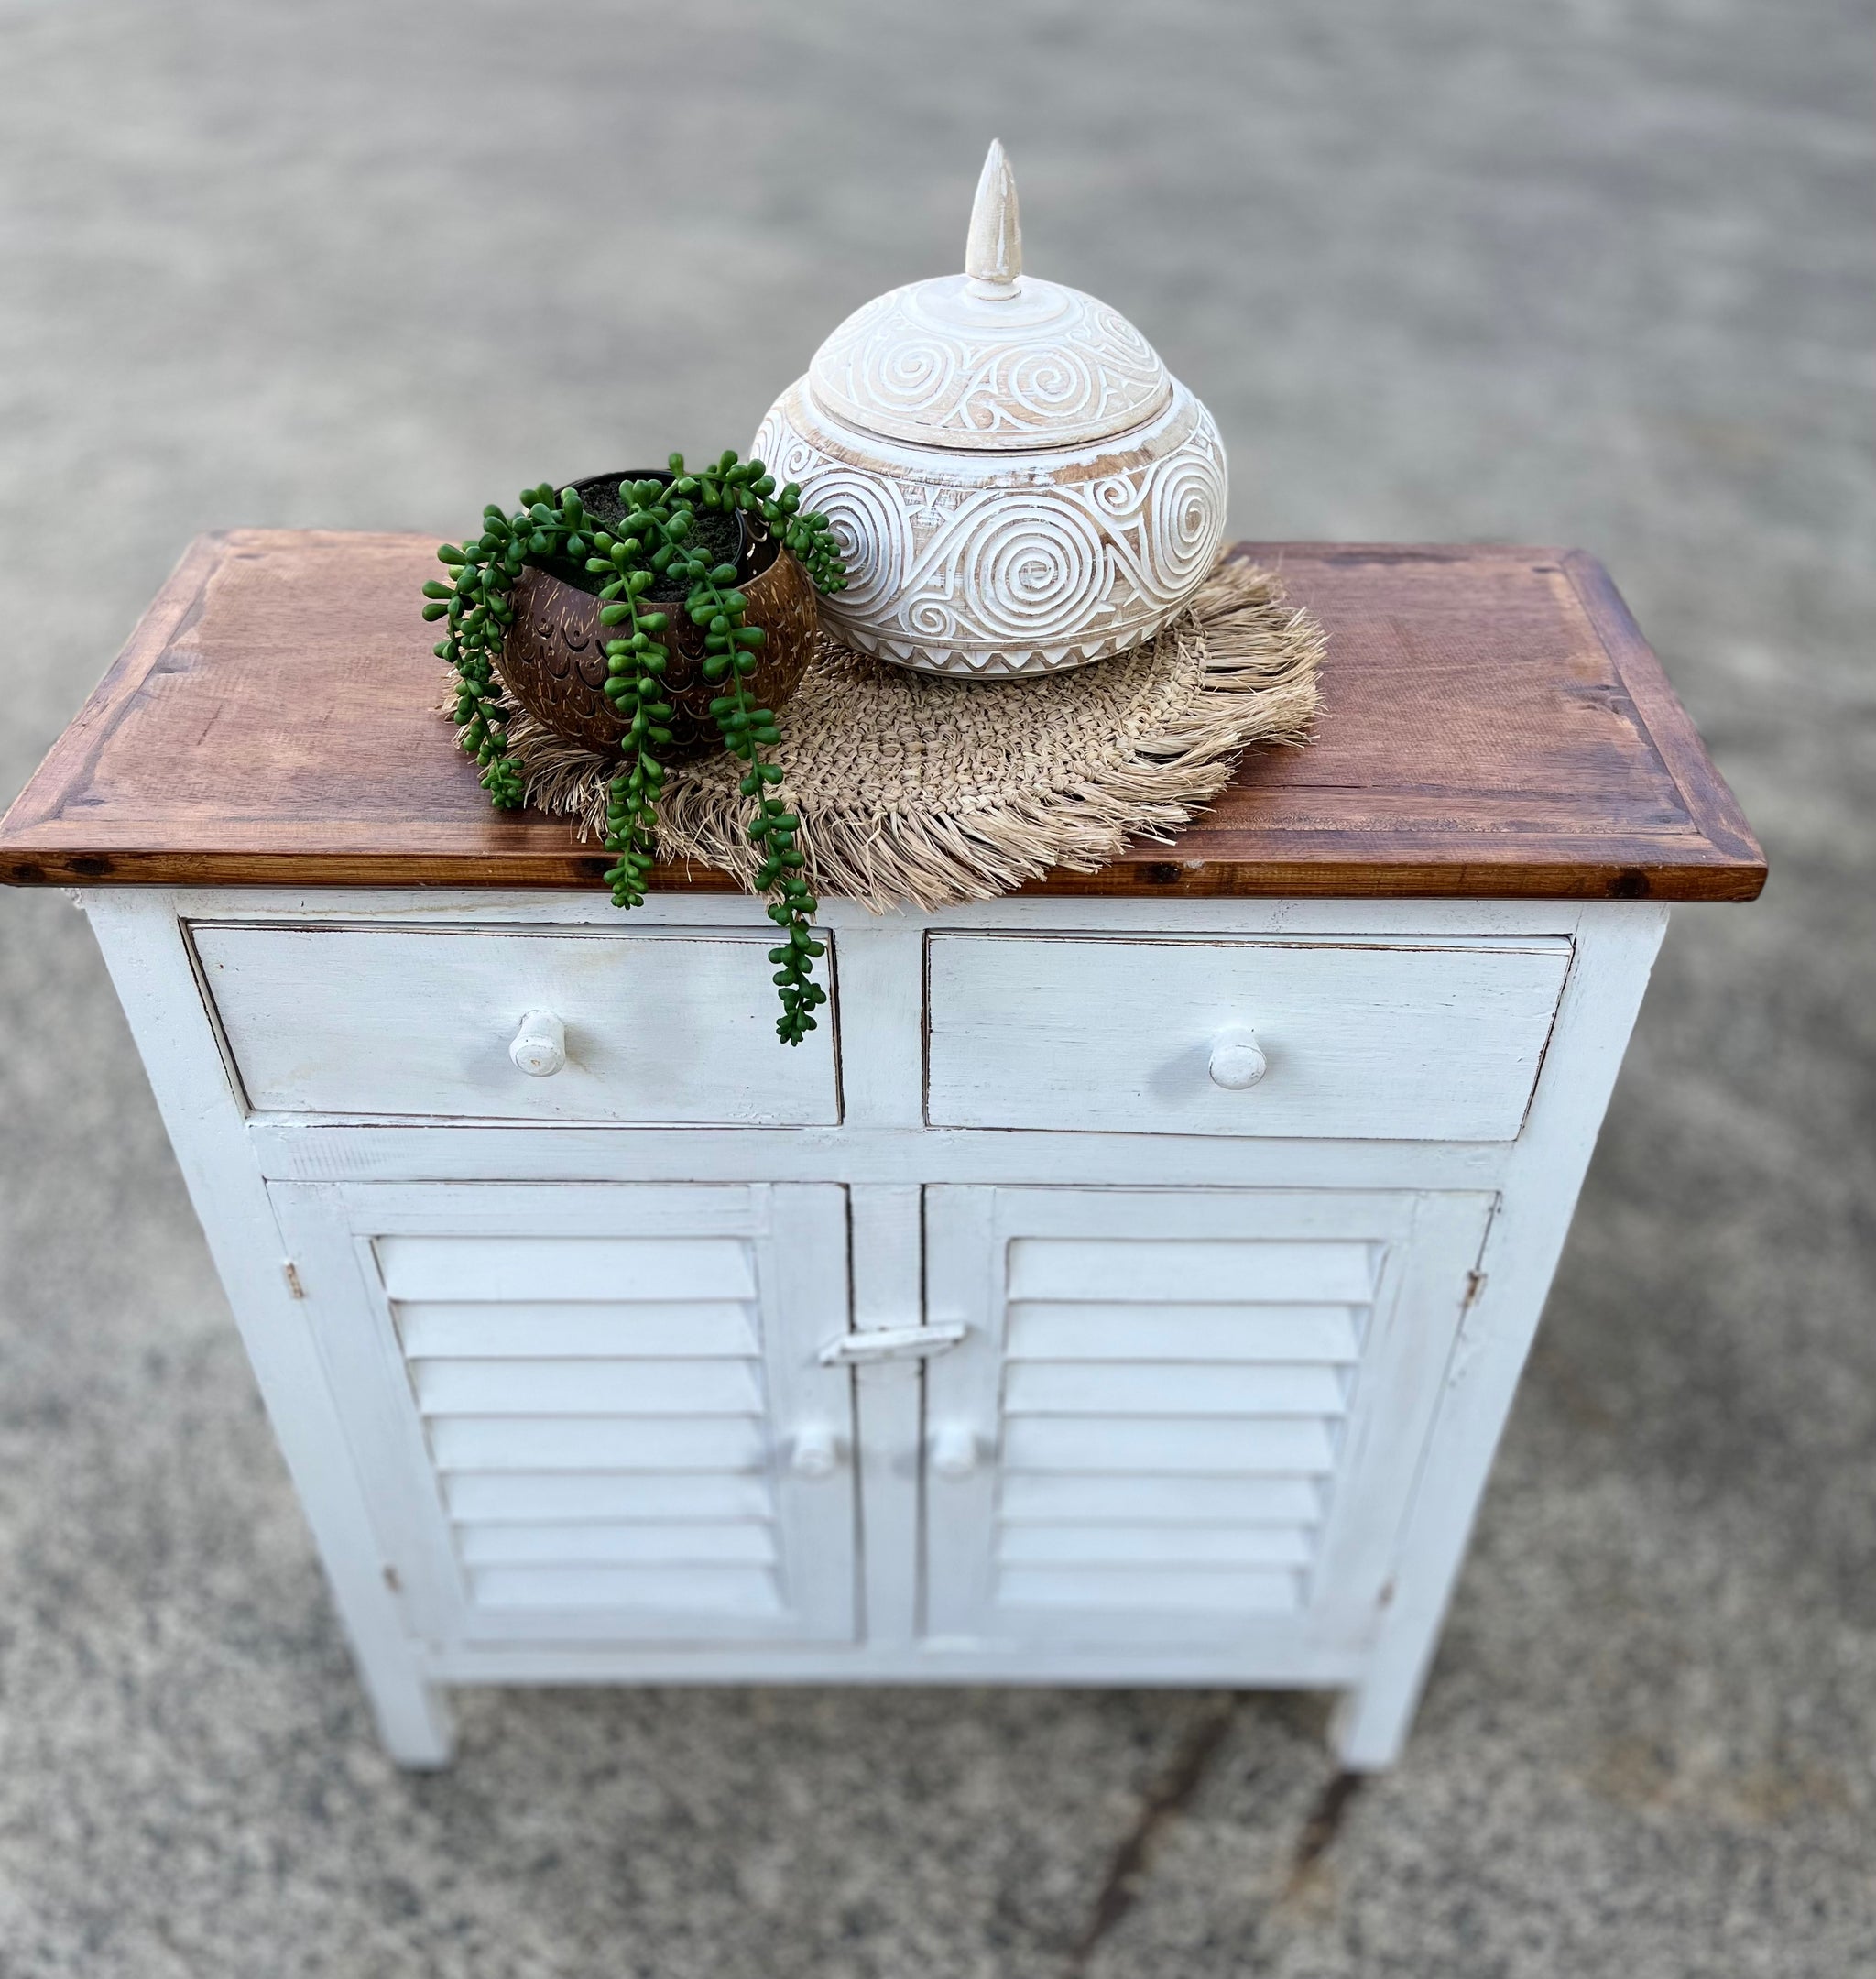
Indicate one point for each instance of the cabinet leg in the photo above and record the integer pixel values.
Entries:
(1371, 1721)
(413, 1719)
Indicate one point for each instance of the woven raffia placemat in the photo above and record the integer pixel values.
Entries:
(914, 787)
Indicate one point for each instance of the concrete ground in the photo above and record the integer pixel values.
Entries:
(1595, 272)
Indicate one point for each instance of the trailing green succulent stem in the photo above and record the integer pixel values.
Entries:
(653, 537)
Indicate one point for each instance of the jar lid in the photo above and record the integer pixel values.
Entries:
(992, 359)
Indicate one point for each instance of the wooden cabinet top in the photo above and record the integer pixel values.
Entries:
(1492, 725)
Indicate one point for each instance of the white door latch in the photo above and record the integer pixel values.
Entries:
(869, 1344)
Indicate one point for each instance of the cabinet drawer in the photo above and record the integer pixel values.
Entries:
(1410, 1039)
(660, 1027)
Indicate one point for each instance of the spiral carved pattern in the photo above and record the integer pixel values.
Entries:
(951, 577)
(916, 364)
(1187, 521)
(1021, 564)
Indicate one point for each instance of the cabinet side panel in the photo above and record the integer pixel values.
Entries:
(1615, 946)
(145, 951)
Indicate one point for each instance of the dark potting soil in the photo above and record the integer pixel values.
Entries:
(719, 535)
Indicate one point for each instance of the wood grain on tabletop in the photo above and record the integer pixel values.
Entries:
(1493, 725)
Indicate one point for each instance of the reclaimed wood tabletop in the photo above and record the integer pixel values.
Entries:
(1493, 725)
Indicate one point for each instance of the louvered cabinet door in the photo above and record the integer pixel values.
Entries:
(1181, 1418)
(581, 1411)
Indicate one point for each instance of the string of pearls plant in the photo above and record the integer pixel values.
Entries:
(656, 534)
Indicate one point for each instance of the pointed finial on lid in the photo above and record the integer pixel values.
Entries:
(993, 251)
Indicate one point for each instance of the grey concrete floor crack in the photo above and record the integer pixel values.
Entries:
(1132, 1862)
(1322, 1825)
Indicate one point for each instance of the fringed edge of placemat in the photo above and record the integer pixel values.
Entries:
(1259, 660)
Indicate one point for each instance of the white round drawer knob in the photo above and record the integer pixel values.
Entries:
(1235, 1061)
(815, 1453)
(540, 1048)
(953, 1450)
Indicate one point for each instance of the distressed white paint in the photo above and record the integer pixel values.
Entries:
(1616, 951)
(145, 948)
(888, 1405)
(428, 1427)
(1369, 1040)
(548, 1374)
(1344, 1437)
(658, 1027)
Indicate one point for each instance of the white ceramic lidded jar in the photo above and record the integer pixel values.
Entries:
(1019, 483)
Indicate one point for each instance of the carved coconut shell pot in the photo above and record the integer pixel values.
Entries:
(553, 658)
(1017, 481)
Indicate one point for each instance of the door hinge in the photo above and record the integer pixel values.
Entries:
(892, 1343)
(290, 1271)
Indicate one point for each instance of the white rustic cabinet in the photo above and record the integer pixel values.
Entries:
(1125, 1286)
